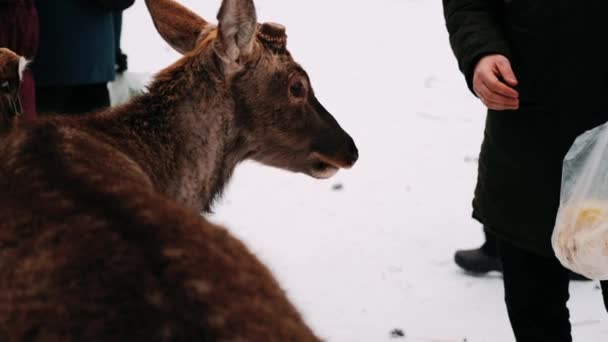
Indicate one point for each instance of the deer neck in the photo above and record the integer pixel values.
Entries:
(206, 149)
(185, 134)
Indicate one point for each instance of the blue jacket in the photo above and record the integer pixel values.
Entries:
(77, 44)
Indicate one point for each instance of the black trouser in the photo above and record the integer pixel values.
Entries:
(536, 292)
(490, 245)
(77, 99)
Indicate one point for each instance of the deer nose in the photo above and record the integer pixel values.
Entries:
(353, 153)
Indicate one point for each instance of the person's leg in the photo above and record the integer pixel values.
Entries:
(79, 99)
(490, 246)
(88, 98)
(605, 293)
(536, 293)
(53, 99)
(480, 260)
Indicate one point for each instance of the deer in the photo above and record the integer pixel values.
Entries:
(101, 232)
(11, 74)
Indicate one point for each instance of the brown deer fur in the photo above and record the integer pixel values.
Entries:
(10, 65)
(100, 233)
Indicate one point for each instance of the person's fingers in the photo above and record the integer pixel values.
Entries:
(506, 72)
(498, 106)
(496, 101)
(489, 95)
(495, 85)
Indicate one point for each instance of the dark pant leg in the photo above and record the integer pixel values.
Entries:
(536, 293)
(490, 246)
(605, 293)
(89, 98)
(78, 99)
(52, 100)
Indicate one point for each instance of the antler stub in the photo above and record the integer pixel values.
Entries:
(273, 35)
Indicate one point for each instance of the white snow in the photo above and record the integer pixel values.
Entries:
(377, 255)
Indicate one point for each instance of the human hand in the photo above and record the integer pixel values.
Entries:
(493, 82)
(121, 62)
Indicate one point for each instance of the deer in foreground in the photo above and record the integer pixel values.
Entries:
(100, 233)
(11, 71)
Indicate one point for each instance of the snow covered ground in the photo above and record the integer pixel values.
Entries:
(377, 254)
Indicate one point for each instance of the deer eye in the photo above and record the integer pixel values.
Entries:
(297, 89)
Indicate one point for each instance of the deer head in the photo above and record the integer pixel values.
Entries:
(11, 71)
(274, 104)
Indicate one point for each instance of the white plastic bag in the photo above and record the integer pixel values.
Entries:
(580, 237)
(127, 85)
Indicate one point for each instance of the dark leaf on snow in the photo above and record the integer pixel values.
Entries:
(397, 333)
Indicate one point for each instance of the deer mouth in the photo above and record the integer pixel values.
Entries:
(324, 167)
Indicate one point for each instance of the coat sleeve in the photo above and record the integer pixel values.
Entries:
(476, 30)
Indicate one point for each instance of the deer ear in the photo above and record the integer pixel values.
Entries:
(22, 65)
(237, 28)
(178, 26)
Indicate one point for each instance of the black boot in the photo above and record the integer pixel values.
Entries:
(481, 260)
(477, 261)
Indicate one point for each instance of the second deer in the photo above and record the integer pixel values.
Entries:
(11, 71)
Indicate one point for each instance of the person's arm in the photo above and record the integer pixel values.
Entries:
(475, 31)
(477, 39)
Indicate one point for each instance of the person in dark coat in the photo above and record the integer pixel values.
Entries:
(19, 33)
(76, 58)
(121, 57)
(540, 68)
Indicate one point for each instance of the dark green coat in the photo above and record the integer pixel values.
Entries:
(559, 53)
(77, 44)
